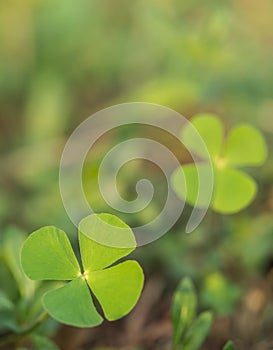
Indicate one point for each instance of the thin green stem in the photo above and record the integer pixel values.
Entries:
(10, 338)
(35, 325)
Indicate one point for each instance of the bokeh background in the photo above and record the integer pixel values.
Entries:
(61, 61)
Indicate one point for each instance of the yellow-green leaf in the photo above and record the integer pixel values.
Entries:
(209, 129)
(72, 305)
(234, 190)
(245, 146)
(47, 255)
(118, 238)
(117, 288)
(186, 182)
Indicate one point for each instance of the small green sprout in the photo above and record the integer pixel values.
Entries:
(229, 346)
(47, 255)
(233, 188)
(189, 331)
(183, 309)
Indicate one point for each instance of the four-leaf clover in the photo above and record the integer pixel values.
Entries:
(233, 188)
(47, 255)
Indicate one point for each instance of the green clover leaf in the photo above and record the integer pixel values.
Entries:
(47, 255)
(233, 188)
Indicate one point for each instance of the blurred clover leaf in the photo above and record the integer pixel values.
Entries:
(47, 255)
(233, 188)
(220, 294)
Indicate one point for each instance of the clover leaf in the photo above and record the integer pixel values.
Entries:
(233, 188)
(47, 255)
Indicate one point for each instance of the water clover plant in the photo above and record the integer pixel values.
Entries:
(47, 255)
(233, 188)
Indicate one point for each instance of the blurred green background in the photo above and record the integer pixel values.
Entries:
(61, 61)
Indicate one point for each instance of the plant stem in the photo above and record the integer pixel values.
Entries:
(35, 325)
(14, 337)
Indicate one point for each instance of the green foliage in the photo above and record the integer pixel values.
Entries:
(43, 343)
(72, 304)
(49, 70)
(229, 346)
(183, 309)
(11, 243)
(47, 254)
(16, 286)
(167, 52)
(250, 239)
(233, 188)
(189, 331)
(220, 294)
(198, 332)
(20, 298)
(117, 288)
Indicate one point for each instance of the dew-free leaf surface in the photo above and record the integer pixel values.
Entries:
(233, 189)
(47, 254)
(72, 304)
